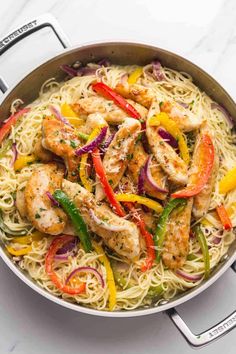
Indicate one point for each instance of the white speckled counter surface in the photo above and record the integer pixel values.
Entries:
(203, 31)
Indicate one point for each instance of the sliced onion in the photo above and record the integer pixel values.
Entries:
(89, 270)
(67, 250)
(185, 105)
(69, 70)
(104, 62)
(15, 154)
(145, 143)
(93, 144)
(216, 240)
(141, 180)
(86, 70)
(52, 199)
(150, 179)
(189, 277)
(168, 138)
(157, 72)
(58, 115)
(107, 142)
(105, 225)
(226, 114)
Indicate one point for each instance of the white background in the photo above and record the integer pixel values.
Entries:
(203, 31)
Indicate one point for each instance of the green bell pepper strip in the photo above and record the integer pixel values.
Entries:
(162, 222)
(203, 244)
(83, 136)
(77, 220)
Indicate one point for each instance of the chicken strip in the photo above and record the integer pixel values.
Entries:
(176, 245)
(62, 140)
(124, 242)
(202, 200)
(186, 120)
(43, 154)
(93, 121)
(137, 162)
(140, 94)
(109, 110)
(119, 153)
(45, 217)
(169, 160)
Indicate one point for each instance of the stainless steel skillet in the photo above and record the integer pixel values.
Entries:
(120, 53)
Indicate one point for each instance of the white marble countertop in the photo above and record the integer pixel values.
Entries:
(203, 31)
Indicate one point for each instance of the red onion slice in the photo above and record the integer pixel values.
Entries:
(150, 179)
(104, 62)
(216, 240)
(189, 277)
(86, 70)
(107, 142)
(93, 144)
(67, 250)
(89, 270)
(15, 154)
(69, 70)
(58, 115)
(168, 138)
(185, 105)
(53, 200)
(141, 180)
(226, 114)
(157, 72)
(105, 225)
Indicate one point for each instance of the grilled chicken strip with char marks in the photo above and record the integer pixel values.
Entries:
(124, 242)
(45, 217)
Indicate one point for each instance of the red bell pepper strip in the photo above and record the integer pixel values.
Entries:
(104, 182)
(5, 129)
(120, 101)
(147, 237)
(205, 165)
(224, 217)
(56, 244)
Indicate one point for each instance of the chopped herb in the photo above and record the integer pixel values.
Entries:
(73, 144)
(130, 156)
(73, 173)
(37, 216)
(110, 182)
(139, 137)
(62, 141)
(42, 209)
(161, 103)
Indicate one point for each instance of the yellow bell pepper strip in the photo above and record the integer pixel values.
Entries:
(110, 277)
(11, 121)
(56, 244)
(87, 183)
(19, 252)
(135, 75)
(159, 236)
(231, 209)
(170, 125)
(71, 116)
(224, 217)
(200, 177)
(228, 182)
(35, 236)
(133, 198)
(97, 161)
(203, 244)
(23, 161)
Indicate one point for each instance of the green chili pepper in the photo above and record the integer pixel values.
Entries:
(5, 148)
(77, 220)
(191, 257)
(11, 232)
(83, 136)
(203, 244)
(162, 222)
(155, 291)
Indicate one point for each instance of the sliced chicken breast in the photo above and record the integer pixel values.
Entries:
(124, 242)
(45, 217)
(140, 94)
(176, 246)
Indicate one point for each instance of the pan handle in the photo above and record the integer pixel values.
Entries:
(206, 337)
(46, 20)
